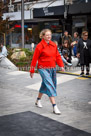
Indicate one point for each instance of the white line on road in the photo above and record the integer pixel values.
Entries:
(15, 73)
(61, 79)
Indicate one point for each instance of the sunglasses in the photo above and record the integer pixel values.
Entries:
(85, 35)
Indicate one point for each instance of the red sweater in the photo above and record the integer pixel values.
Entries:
(47, 56)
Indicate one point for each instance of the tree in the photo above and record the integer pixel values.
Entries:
(4, 24)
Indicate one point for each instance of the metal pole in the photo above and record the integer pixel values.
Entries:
(22, 19)
(64, 16)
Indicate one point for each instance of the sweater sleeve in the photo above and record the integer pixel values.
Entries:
(59, 60)
(34, 60)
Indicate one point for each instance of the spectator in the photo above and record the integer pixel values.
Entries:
(64, 60)
(67, 37)
(66, 51)
(3, 52)
(47, 55)
(74, 43)
(84, 52)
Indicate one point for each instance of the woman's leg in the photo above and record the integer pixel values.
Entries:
(55, 108)
(40, 95)
(38, 101)
(87, 59)
(87, 69)
(52, 99)
(82, 69)
(49, 87)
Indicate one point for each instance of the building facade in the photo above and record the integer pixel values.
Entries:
(33, 19)
(57, 15)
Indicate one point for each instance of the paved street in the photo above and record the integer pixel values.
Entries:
(18, 93)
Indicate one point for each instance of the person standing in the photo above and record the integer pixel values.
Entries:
(66, 52)
(3, 52)
(47, 55)
(63, 59)
(74, 43)
(68, 37)
(84, 52)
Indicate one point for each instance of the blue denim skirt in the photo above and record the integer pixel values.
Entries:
(48, 85)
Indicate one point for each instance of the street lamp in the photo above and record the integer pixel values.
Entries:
(22, 19)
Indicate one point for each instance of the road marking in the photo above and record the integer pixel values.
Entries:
(61, 79)
(82, 78)
(15, 73)
(77, 73)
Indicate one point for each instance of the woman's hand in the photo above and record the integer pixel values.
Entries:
(62, 69)
(78, 55)
(31, 75)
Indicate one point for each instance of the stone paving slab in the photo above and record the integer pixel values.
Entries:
(73, 97)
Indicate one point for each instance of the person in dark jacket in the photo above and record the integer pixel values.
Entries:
(84, 52)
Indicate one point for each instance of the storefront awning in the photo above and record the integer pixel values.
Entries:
(48, 11)
(81, 8)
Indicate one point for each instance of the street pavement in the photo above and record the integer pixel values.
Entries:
(18, 93)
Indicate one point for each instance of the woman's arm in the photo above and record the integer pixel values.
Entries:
(34, 60)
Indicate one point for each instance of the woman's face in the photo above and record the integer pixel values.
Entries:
(47, 36)
(66, 33)
(75, 35)
(65, 44)
(85, 36)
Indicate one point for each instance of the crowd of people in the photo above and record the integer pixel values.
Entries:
(78, 48)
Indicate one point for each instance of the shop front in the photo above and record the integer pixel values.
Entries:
(52, 18)
(49, 17)
(30, 33)
(81, 17)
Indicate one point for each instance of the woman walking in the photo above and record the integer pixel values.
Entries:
(47, 55)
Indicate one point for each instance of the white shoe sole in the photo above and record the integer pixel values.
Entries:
(37, 105)
(57, 113)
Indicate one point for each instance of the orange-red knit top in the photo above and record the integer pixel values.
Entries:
(47, 56)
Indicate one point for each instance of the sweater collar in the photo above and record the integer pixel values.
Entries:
(44, 43)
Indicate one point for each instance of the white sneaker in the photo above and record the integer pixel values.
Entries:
(38, 103)
(56, 110)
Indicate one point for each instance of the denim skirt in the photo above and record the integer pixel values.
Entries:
(48, 85)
